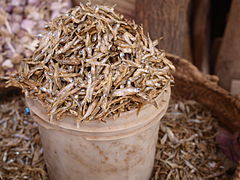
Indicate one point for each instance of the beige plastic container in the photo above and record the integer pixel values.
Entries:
(120, 149)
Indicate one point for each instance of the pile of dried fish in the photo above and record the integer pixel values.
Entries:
(93, 64)
(186, 146)
(20, 21)
(21, 153)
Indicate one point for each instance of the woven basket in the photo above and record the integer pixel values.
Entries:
(205, 90)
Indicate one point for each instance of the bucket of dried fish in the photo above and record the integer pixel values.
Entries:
(122, 148)
(97, 87)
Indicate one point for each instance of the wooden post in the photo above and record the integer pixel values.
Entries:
(187, 42)
(228, 61)
(201, 34)
(164, 18)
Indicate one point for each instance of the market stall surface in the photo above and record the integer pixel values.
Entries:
(186, 146)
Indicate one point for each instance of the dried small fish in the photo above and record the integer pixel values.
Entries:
(90, 109)
(92, 56)
(126, 91)
(66, 88)
(21, 151)
(188, 149)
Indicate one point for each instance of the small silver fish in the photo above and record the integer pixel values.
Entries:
(126, 91)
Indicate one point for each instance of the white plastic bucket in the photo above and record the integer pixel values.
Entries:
(120, 149)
